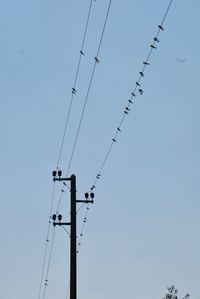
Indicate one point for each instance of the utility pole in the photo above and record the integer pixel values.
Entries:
(57, 176)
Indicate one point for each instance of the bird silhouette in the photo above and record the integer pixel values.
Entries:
(161, 27)
(156, 39)
(140, 91)
(97, 59)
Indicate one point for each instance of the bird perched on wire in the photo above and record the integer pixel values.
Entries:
(156, 39)
(97, 59)
(161, 27)
(140, 91)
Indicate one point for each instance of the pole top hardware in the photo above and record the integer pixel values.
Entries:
(59, 217)
(57, 176)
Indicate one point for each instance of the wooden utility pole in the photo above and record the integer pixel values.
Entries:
(73, 228)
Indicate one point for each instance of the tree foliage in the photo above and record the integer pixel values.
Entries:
(172, 293)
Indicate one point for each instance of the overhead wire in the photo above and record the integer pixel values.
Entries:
(137, 90)
(96, 61)
(127, 109)
(48, 264)
(46, 242)
(82, 229)
(81, 54)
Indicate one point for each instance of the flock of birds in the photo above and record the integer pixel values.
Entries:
(137, 90)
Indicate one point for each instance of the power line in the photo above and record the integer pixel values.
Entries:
(96, 61)
(48, 264)
(81, 54)
(46, 242)
(61, 147)
(82, 229)
(137, 90)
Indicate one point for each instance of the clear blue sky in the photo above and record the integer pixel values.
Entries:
(142, 233)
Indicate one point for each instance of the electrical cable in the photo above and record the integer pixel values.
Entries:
(89, 87)
(47, 242)
(96, 58)
(126, 110)
(83, 227)
(65, 230)
(75, 82)
(137, 89)
(48, 264)
(63, 139)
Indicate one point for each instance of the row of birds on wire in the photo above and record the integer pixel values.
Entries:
(138, 90)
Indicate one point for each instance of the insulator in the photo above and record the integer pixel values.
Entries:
(54, 217)
(59, 217)
(86, 195)
(92, 195)
(54, 173)
(59, 173)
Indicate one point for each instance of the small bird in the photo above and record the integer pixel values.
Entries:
(142, 74)
(97, 59)
(156, 39)
(127, 109)
(130, 102)
(140, 91)
(153, 47)
(146, 63)
(81, 52)
(125, 112)
(73, 90)
(161, 27)
(119, 129)
(133, 94)
(114, 140)
(138, 84)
